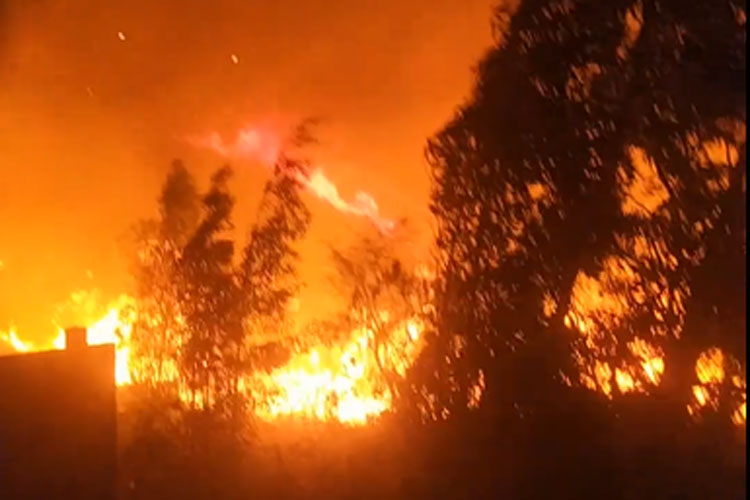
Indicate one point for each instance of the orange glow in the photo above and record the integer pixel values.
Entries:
(651, 359)
(112, 328)
(711, 370)
(95, 146)
(363, 205)
(476, 391)
(645, 192)
(739, 417)
(333, 384)
(701, 394)
(715, 369)
(595, 309)
(624, 381)
(327, 382)
(11, 339)
(710, 366)
(341, 381)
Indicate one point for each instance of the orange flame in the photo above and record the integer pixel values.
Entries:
(333, 383)
(363, 205)
(111, 328)
(347, 381)
(340, 382)
(14, 342)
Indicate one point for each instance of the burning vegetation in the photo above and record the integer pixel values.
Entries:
(210, 327)
(590, 245)
(585, 292)
(213, 326)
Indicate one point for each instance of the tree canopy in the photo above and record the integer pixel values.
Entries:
(199, 305)
(590, 202)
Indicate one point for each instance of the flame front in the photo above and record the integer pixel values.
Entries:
(342, 382)
(348, 381)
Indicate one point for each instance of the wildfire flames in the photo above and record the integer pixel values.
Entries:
(344, 381)
(113, 327)
(325, 381)
(340, 381)
(597, 307)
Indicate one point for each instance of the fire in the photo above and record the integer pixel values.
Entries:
(263, 145)
(114, 327)
(714, 369)
(14, 342)
(597, 307)
(341, 382)
(349, 382)
(335, 387)
(363, 205)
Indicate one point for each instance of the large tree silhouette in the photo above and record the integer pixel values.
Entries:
(603, 140)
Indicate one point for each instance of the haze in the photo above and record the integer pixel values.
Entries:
(96, 99)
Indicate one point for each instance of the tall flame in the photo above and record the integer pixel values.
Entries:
(342, 381)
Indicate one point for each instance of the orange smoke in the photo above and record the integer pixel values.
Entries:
(263, 145)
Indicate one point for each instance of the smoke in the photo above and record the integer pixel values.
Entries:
(250, 143)
(264, 146)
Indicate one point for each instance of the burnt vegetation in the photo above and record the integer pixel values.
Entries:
(584, 325)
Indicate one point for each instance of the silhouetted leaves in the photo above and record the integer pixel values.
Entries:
(531, 180)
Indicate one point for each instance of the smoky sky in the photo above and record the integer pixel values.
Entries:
(96, 99)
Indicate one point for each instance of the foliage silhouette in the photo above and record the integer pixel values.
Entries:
(535, 180)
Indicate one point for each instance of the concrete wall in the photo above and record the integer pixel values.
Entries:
(58, 425)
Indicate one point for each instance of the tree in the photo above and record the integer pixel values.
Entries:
(198, 309)
(384, 295)
(159, 327)
(588, 150)
(267, 272)
(209, 298)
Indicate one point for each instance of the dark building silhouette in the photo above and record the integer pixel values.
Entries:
(58, 423)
